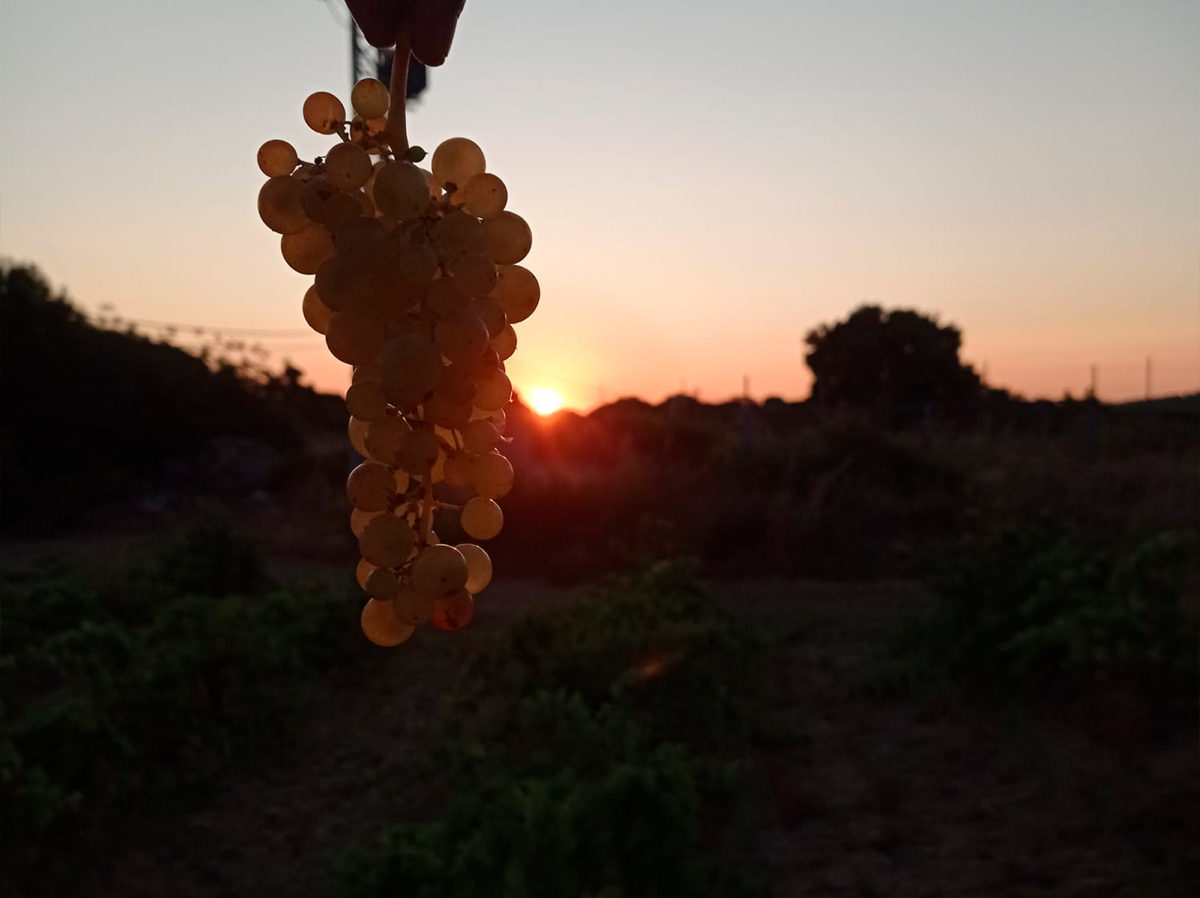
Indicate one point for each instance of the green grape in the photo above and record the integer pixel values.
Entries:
(279, 205)
(370, 487)
(412, 366)
(306, 250)
(387, 541)
(459, 235)
(277, 157)
(369, 98)
(413, 607)
(491, 313)
(457, 471)
(384, 436)
(480, 435)
(518, 291)
(505, 343)
(481, 518)
(382, 584)
(323, 112)
(316, 313)
(381, 626)
(347, 166)
(354, 337)
(462, 337)
(441, 411)
(479, 567)
(491, 475)
(456, 161)
(418, 450)
(508, 238)
(456, 385)
(360, 518)
(401, 191)
(439, 570)
(493, 391)
(444, 298)
(484, 196)
(366, 400)
(473, 273)
(362, 571)
(357, 433)
(361, 241)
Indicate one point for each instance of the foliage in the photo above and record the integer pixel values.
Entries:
(589, 752)
(1036, 608)
(133, 403)
(878, 357)
(120, 687)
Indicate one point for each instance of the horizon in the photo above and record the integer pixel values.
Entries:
(1026, 174)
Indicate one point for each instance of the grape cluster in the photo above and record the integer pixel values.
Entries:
(416, 285)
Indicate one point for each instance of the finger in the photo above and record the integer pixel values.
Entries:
(433, 24)
(379, 20)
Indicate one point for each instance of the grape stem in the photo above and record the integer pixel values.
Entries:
(398, 89)
(427, 511)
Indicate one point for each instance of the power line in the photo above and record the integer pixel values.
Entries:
(199, 329)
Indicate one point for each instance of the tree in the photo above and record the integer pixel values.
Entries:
(877, 357)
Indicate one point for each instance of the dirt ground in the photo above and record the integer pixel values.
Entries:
(866, 791)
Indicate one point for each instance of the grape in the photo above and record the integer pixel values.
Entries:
(316, 313)
(323, 112)
(458, 471)
(357, 432)
(418, 450)
(453, 612)
(418, 291)
(481, 518)
(456, 161)
(359, 519)
(508, 238)
(439, 570)
(493, 391)
(382, 584)
(383, 438)
(480, 435)
(387, 541)
(362, 571)
(518, 291)
(444, 298)
(491, 476)
(277, 157)
(412, 607)
(491, 313)
(347, 166)
(306, 250)
(361, 241)
(401, 191)
(505, 342)
(474, 274)
(484, 196)
(381, 626)
(462, 337)
(354, 337)
(451, 415)
(366, 400)
(369, 98)
(370, 487)
(479, 567)
(279, 206)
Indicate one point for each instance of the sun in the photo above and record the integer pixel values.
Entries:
(544, 400)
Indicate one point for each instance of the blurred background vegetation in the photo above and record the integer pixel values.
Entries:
(914, 635)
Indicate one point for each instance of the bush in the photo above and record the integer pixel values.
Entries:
(1038, 608)
(588, 757)
(121, 688)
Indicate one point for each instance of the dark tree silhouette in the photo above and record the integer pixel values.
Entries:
(877, 357)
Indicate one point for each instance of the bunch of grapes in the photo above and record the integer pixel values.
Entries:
(416, 285)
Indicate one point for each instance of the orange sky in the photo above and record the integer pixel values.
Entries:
(703, 189)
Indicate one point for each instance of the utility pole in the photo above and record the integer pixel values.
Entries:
(1149, 375)
(1092, 388)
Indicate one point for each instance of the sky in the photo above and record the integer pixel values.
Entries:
(705, 181)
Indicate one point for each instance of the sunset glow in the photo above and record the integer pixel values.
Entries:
(544, 400)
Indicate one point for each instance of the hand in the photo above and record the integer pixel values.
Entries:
(430, 24)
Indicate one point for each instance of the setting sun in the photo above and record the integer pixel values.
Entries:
(544, 400)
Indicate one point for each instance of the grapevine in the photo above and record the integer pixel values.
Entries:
(415, 284)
